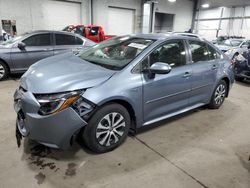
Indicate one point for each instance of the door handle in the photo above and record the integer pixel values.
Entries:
(186, 75)
(214, 67)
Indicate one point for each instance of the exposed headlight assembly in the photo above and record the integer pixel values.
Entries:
(83, 107)
(53, 103)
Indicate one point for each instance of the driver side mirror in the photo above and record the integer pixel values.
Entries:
(21, 45)
(159, 68)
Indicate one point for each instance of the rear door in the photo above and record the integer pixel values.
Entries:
(67, 43)
(38, 46)
(167, 93)
(205, 66)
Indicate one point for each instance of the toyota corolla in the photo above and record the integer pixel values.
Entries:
(123, 83)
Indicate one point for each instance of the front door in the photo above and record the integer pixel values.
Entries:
(37, 47)
(167, 93)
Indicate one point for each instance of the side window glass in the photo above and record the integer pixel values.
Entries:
(247, 43)
(93, 31)
(213, 54)
(62, 39)
(79, 30)
(38, 40)
(172, 52)
(199, 51)
(78, 41)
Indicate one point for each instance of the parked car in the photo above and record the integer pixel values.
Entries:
(233, 47)
(19, 53)
(91, 32)
(242, 66)
(120, 84)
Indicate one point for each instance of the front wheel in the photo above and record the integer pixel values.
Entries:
(219, 95)
(107, 128)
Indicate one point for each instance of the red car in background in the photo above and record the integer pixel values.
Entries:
(91, 32)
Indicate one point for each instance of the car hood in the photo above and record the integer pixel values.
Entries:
(62, 73)
(225, 48)
(5, 46)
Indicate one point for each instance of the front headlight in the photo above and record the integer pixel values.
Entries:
(53, 103)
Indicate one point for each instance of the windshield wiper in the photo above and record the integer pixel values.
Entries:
(103, 65)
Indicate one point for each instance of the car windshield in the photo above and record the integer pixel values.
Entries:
(117, 52)
(11, 41)
(233, 43)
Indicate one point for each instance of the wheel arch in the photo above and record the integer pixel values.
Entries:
(129, 107)
(226, 79)
(7, 65)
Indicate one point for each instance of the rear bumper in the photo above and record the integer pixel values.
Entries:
(55, 130)
(243, 74)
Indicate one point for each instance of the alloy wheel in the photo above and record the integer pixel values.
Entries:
(220, 94)
(2, 71)
(110, 129)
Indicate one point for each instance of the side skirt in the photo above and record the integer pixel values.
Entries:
(174, 113)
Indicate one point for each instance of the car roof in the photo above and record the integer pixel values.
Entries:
(48, 31)
(169, 35)
(52, 31)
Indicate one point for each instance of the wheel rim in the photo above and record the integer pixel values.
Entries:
(2, 71)
(110, 129)
(220, 94)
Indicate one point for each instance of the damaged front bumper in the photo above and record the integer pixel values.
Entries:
(54, 130)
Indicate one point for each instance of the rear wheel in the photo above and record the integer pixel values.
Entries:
(219, 95)
(4, 71)
(107, 128)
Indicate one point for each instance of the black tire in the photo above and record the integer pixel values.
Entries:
(239, 79)
(219, 95)
(4, 71)
(95, 138)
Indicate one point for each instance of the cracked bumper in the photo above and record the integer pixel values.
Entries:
(54, 130)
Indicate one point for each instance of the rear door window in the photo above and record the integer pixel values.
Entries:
(63, 39)
(213, 54)
(199, 51)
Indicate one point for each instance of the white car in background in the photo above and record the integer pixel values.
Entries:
(233, 47)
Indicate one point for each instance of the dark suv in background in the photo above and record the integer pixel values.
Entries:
(19, 53)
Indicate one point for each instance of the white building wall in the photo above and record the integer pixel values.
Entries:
(183, 11)
(232, 23)
(29, 14)
(100, 11)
